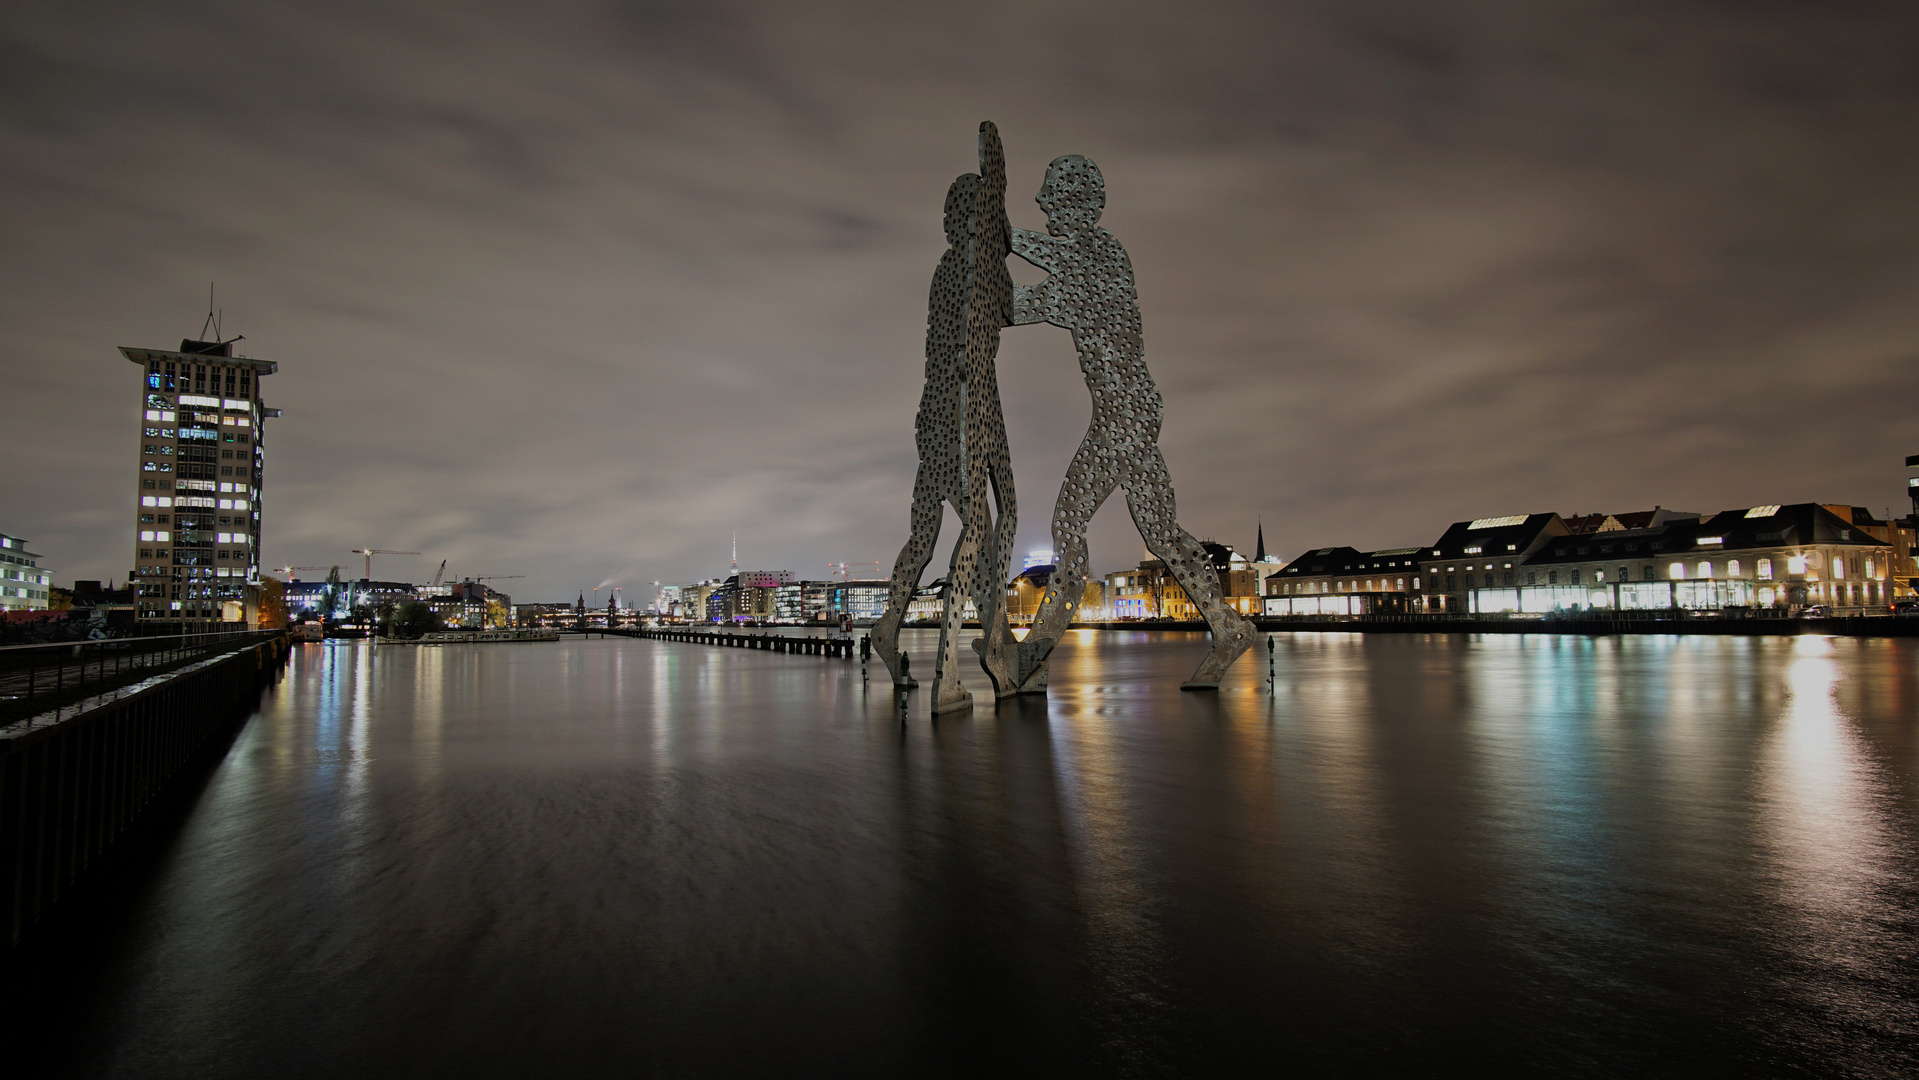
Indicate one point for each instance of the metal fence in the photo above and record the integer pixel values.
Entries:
(33, 677)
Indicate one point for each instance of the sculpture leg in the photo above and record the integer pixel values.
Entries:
(1089, 480)
(1149, 495)
(961, 585)
(913, 557)
(996, 642)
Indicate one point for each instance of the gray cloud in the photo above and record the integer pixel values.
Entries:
(575, 291)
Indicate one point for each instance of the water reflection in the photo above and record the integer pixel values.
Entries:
(1406, 853)
(1834, 854)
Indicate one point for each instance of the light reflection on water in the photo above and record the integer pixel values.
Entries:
(1678, 855)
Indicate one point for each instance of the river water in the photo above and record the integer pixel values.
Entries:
(1611, 856)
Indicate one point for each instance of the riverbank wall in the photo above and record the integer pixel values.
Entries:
(73, 782)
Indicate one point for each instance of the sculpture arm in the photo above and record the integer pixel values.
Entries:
(1036, 248)
(1031, 301)
(1029, 304)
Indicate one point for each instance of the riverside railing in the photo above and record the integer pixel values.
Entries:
(34, 678)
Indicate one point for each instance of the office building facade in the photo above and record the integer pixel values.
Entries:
(200, 468)
(25, 585)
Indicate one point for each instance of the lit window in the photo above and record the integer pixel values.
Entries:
(1599, 576)
(1762, 569)
(1870, 570)
(1705, 570)
(1838, 567)
(1678, 571)
(1732, 567)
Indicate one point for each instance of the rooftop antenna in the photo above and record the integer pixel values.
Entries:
(212, 320)
(736, 553)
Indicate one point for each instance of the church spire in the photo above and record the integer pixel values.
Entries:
(1259, 553)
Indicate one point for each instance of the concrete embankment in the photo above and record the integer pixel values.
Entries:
(73, 781)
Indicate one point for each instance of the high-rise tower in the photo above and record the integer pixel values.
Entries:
(201, 464)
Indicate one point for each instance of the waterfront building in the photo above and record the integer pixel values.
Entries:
(694, 599)
(25, 585)
(1148, 591)
(748, 595)
(861, 600)
(198, 476)
(1136, 592)
(543, 616)
(1344, 581)
(928, 604)
(309, 597)
(1757, 557)
(1484, 553)
(802, 601)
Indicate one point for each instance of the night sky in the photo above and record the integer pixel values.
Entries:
(575, 291)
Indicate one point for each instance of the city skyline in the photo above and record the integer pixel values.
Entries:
(576, 298)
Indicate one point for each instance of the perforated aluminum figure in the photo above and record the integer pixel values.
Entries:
(1089, 291)
(961, 435)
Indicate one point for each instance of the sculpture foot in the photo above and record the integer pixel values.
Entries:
(993, 661)
(1229, 641)
(1033, 667)
(951, 700)
(885, 638)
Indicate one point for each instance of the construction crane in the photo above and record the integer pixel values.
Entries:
(841, 568)
(291, 570)
(371, 552)
(437, 575)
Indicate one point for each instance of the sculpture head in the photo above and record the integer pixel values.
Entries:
(961, 201)
(1073, 195)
